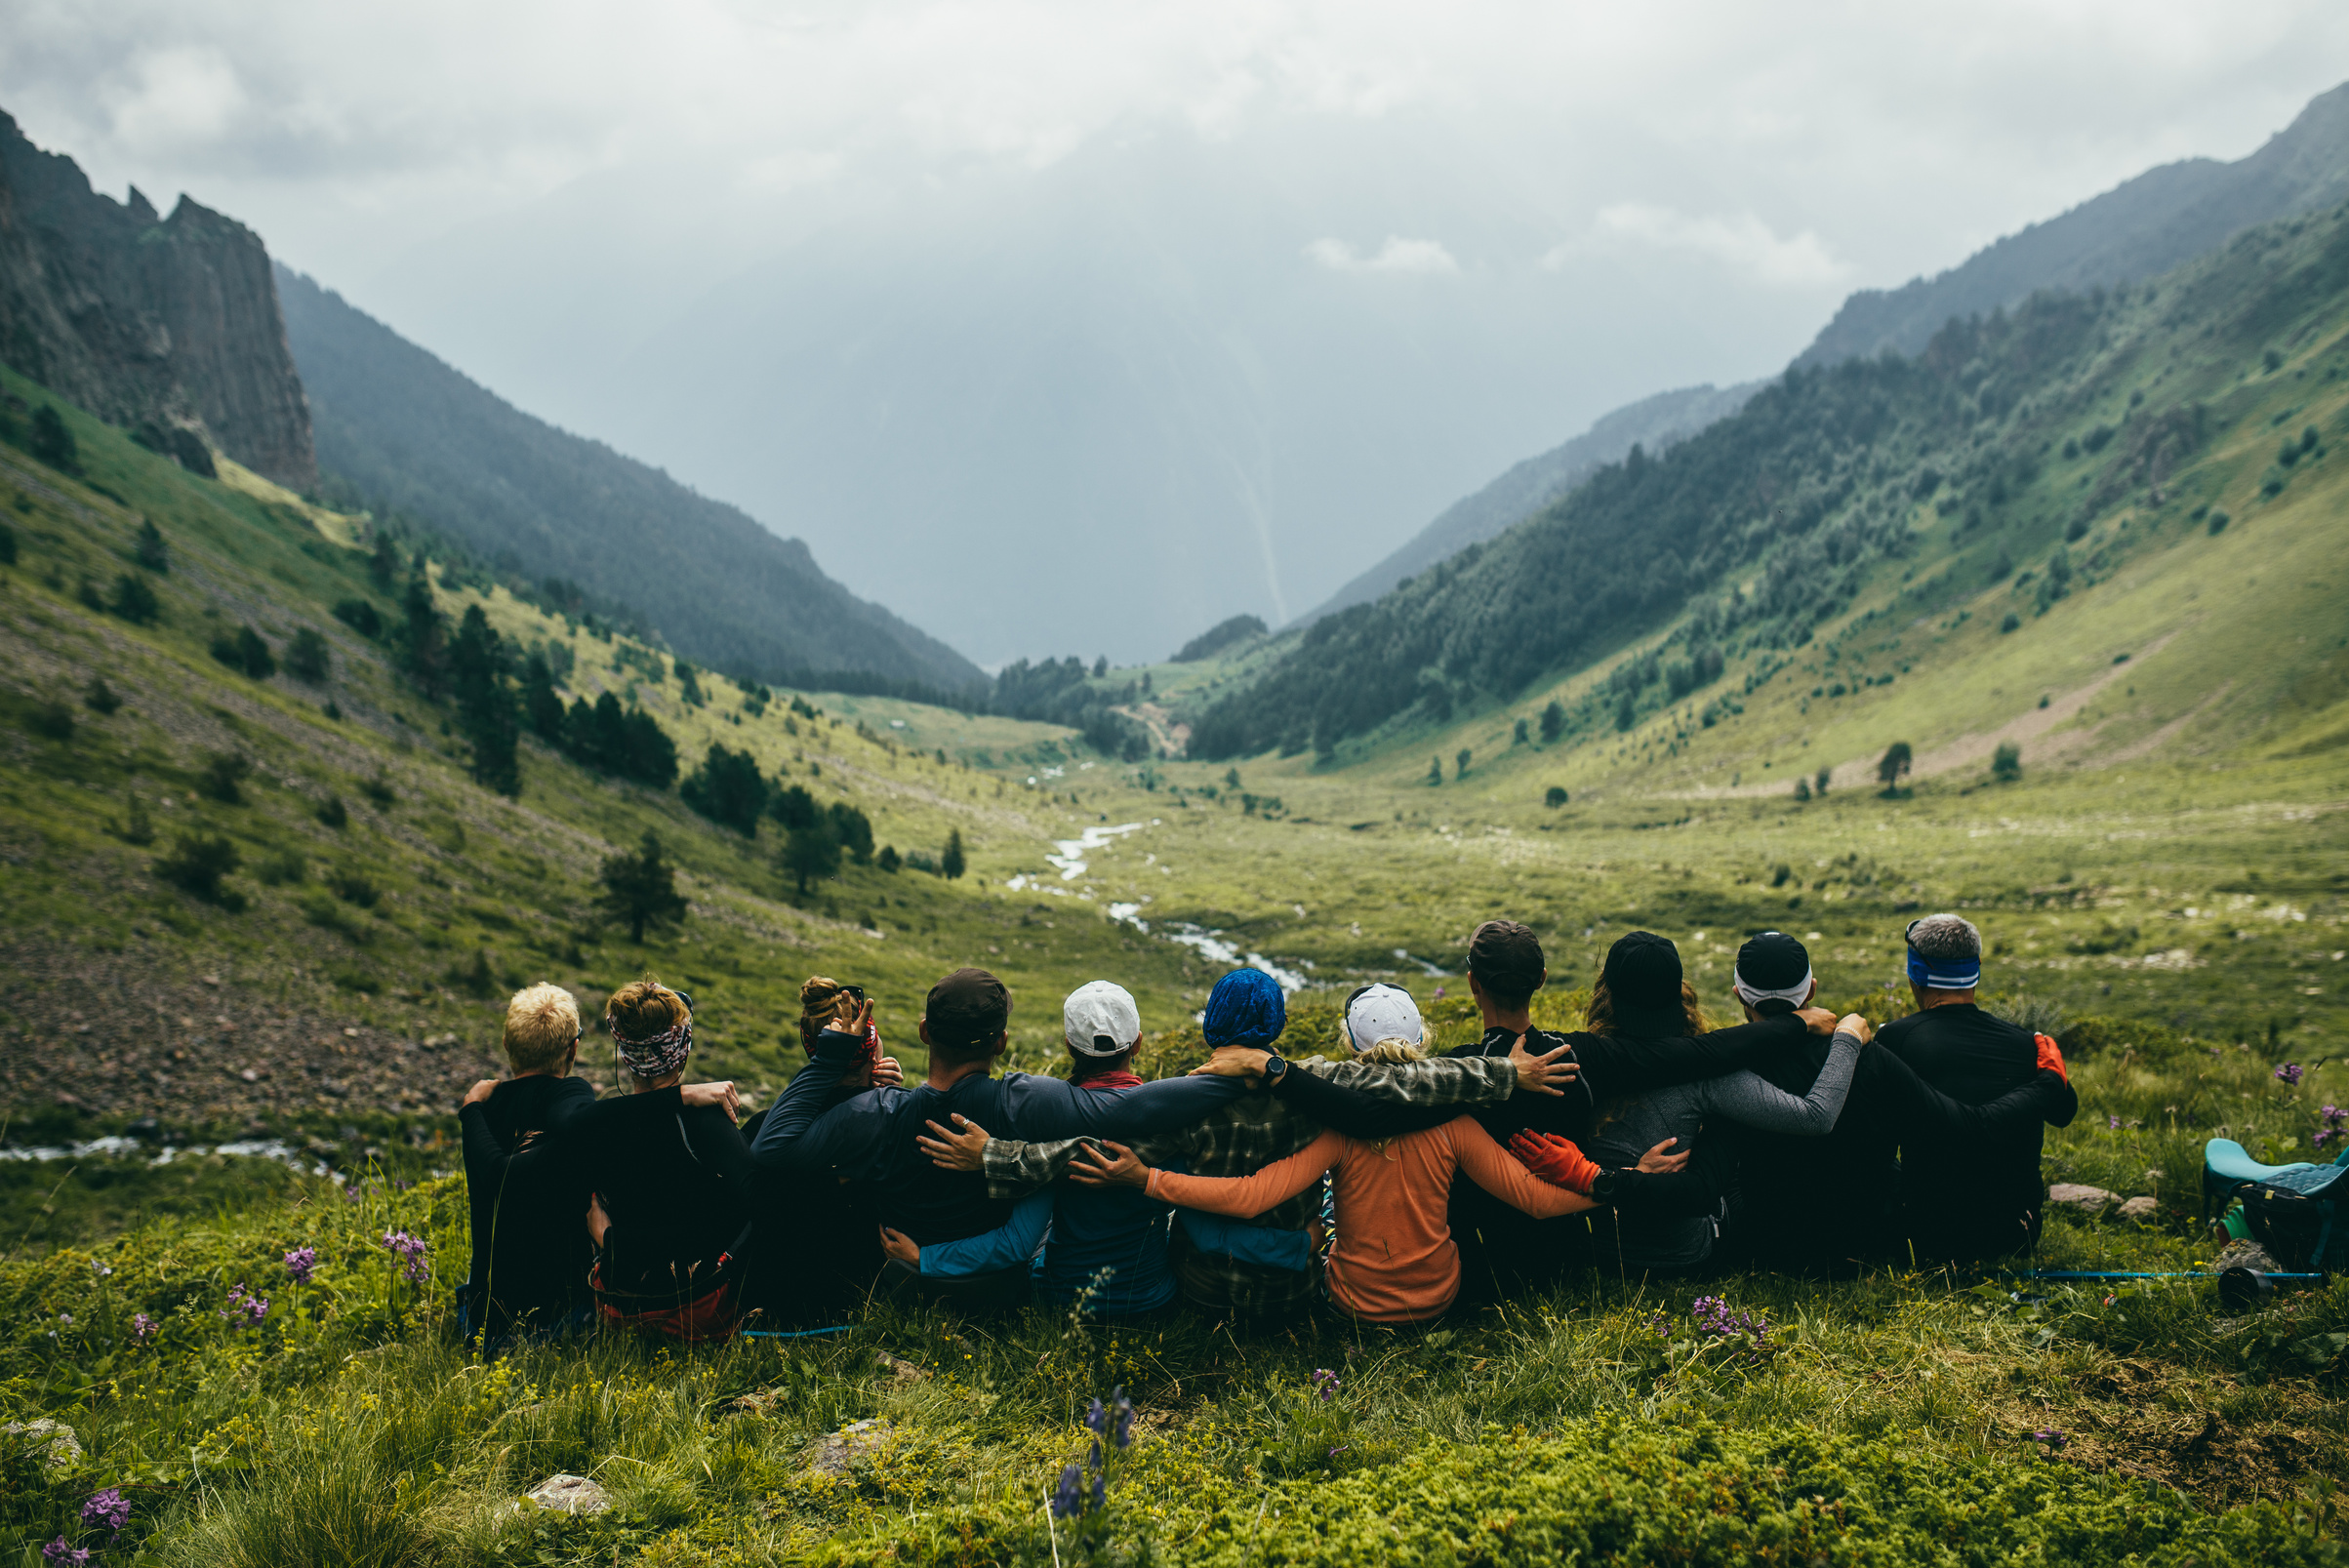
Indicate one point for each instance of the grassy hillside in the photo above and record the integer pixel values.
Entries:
(408, 921)
(2078, 445)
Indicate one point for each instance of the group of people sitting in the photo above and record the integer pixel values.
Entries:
(1385, 1186)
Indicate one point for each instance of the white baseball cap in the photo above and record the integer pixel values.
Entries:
(1099, 1018)
(1378, 1013)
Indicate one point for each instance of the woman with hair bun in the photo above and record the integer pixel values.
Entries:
(672, 1182)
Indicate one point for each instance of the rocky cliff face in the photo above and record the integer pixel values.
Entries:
(169, 323)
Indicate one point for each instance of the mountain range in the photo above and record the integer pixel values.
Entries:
(2145, 227)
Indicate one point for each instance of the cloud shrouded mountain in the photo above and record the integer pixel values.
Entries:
(413, 435)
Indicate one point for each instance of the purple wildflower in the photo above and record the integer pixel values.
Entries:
(1325, 1383)
(1101, 1491)
(2113, 1122)
(108, 1510)
(1068, 1498)
(399, 1243)
(142, 1328)
(2053, 1436)
(246, 1307)
(302, 1263)
(58, 1551)
(2290, 1073)
(1721, 1323)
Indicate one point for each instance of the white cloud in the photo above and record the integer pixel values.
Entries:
(1396, 255)
(1744, 244)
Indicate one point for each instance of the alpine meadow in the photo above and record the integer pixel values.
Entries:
(315, 753)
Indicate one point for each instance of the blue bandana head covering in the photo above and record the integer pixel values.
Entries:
(1943, 974)
(1245, 1008)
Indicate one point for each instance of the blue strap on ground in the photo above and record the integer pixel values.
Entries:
(792, 1334)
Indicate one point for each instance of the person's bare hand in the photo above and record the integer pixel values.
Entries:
(1659, 1161)
(888, 1074)
(1233, 1062)
(724, 1096)
(1090, 1167)
(480, 1091)
(1817, 1019)
(900, 1246)
(964, 1148)
(1543, 1074)
(1854, 1023)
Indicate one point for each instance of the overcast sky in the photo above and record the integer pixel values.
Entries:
(1119, 318)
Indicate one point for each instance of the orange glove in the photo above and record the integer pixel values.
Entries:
(1555, 1160)
(2050, 1059)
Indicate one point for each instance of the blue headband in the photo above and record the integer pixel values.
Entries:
(1944, 973)
(1245, 1008)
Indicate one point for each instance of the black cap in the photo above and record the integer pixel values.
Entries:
(1772, 962)
(1643, 971)
(967, 1008)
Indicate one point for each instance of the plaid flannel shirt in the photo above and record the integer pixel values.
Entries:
(1242, 1138)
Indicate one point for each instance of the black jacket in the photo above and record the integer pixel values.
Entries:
(529, 1205)
(678, 1185)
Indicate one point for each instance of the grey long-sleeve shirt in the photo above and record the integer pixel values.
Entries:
(1632, 1125)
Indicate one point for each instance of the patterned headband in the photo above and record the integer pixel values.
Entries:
(660, 1055)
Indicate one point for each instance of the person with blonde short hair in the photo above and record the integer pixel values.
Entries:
(530, 1248)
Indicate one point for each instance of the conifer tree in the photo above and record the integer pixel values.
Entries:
(150, 551)
(729, 789)
(485, 703)
(640, 890)
(950, 863)
(1553, 721)
(811, 850)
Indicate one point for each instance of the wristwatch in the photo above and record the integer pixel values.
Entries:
(1606, 1184)
(1275, 1067)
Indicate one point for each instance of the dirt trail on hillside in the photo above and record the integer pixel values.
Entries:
(1974, 750)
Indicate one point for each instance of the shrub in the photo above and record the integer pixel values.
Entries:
(306, 657)
(195, 865)
(1553, 720)
(888, 859)
(1555, 796)
(1460, 763)
(222, 777)
(150, 551)
(8, 546)
(99, 697)
(2075, 529)
(2011, 622)
(53, 442)
(2007, 763)
(1801, 788)
(138, 826)
(331, 812)
(253, 653)
(133, 601)
(379, 789)
(352, 886)
(361, 616)
(54, 720)
(281, 867)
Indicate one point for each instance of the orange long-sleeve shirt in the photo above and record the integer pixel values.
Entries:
(1395, 1261)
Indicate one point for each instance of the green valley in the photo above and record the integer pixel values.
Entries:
(2044, 625)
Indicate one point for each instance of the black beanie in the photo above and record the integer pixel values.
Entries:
(1643, 973)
